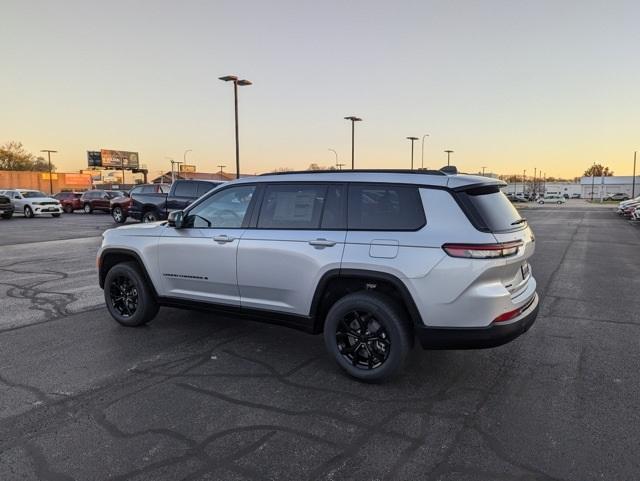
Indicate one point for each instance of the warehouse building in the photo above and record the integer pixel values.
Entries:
(601, 187)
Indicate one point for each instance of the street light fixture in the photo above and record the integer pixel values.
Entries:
(353, 121)
(422, 156)
(242, 83)
(449, 152)
(412, 139)
(336, 154)
(184, 156)
(49, 152)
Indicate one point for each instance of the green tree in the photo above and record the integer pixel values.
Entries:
(13, 156)
(598, 170)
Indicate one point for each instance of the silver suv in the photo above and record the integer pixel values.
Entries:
(371, 259)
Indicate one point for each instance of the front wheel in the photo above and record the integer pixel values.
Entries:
(368, 336)
(28, 212)
(68, 209)
(7, 216)
(128, 296)
(87, 208)
(118, 215)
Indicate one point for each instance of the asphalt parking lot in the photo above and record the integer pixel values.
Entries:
(195, 397)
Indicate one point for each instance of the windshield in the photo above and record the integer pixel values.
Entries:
(30, 194)
(492, 209)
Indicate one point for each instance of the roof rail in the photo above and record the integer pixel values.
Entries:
(379, 171)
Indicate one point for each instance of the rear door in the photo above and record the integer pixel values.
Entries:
(184, 193)
(296, 236)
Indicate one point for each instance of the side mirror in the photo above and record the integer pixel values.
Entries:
(175, 219)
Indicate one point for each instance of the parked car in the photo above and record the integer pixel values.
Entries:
(517, 198)
(70, 201)
(575, 196)
(120, 205)
(6, 207)
(618, 196)
(552, 199)
(627, 209)
(370, 259)
(33, 202)
(566, 196)
(150, 207)
(99, 200)
(635, 215)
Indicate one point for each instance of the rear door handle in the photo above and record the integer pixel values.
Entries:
(322, 243)
(223, 238)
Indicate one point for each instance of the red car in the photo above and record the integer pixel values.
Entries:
(120, 205)
(70, 201)
(99, 200)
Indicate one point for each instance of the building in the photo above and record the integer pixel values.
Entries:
(601, 187)
(59, 181)
(168, 177)
(541, 187)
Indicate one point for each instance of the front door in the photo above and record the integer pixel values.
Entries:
(198, 261)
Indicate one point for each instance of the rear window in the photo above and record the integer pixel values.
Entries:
(490, 209)
(385, 207)
(292, 206)
(186, 189)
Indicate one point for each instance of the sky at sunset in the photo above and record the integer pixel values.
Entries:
(509, 85)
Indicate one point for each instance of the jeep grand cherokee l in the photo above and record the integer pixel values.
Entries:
(371, 259)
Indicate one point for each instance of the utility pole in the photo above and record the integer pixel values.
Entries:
(49, 152)
(339, 166)
(593, 179)
(221, 167)
(353, 119)
(524, 178)
(422, 156)
(336, 154)
(483, 167)
(412, 139)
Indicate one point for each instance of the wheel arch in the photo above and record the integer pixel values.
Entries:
(337, 283)
(111, 257)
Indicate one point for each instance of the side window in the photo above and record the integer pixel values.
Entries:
(288, 206)
(186, 189)
(225, 209)
(164, 189)
(144, 189)
(385, 207)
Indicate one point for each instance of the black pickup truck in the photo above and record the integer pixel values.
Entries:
(156, 206)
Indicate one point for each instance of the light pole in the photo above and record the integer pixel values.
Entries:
(593, 179)
(184, 156)
(633, 182)
(49, 152)
(483, 167)
(412, 139)
(422, 155)
(242, 83)
(524, 178)
(353, 119)
(336, 154)
(449, 152)
(339, 166)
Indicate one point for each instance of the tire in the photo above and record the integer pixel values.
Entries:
(55, 215)
(139, 306)
(150, 216)
(68, 209)
(87, 208)
(7, 216)
(118, 215)
(384, 353)
(28, 213)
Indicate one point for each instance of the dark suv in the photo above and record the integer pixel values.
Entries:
(70, 201)
(99, 200)
(120, 205)
(6, 207)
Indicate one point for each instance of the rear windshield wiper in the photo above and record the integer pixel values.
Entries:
(519, 221)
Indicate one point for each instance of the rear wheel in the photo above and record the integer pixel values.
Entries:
(149, 216)
(118, 215)
(367, 335)
(129, 298)
(28, 212)
(55, 215)
(87, 208)
(68, 209)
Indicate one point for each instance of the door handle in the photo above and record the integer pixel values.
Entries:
(322, 243)
(223, 238)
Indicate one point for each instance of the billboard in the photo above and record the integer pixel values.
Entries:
(119, 159)
(187, 168)
(83, 180)
(94, 159)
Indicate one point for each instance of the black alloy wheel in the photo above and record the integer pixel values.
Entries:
(123, 295)
(118, 215)
(149, 216)
(87, 208)
(362, 340)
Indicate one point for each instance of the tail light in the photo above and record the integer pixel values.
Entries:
(507, 316)
(483, 251)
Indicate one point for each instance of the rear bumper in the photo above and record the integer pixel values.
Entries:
(477, 337)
